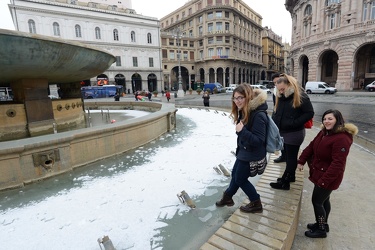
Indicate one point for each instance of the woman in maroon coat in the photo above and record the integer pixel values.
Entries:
(326, 156)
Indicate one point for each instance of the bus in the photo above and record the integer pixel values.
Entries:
(6, 94)
(92, 92)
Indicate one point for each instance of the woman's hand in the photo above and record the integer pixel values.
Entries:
(300, 167)
(239, 126)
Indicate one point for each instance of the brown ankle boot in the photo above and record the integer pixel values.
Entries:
(226, 200)
(253, 207)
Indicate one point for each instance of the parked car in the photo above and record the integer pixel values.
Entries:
(370, 87)
(262, 87)
(319, 87)
(212, 86)
(229, 89)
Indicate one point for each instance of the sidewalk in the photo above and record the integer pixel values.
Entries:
(352, 220)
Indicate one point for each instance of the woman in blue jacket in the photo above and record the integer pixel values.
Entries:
(251, 148)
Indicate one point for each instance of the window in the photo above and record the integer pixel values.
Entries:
(185, 55)
(151, 62)
(200, 19)
(219, 2)
(210, 15)
(219, 39)
(190, 11)
(190, 33)
(308, 10)
(219, 14)
(118, 60)
(210, 52)
(132, 37)
(97, 33)
(372, 14)
(227, 39)
(149, 40)
(183, 14)
(135, 61)
(227, 26)
(209, 2)
(219, 26)
(226, 14)
(190, 23)
(171, 41)
(192, 56)
(201, 42)
(78, 30)
(219, 51)
(209, 27)
(227, 50)
(115, 35)
(171, 54)
(210, 40)
(56, 29)
(332, 18)
(164, 53)
(201, 54)
(32, 28)
(364, 14)
(191, 44)
(329, 2)
(200, 30)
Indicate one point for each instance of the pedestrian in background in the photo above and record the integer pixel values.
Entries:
(326, 156)
(251, 152)
(291, 111)
(206, 99)
(168, 95)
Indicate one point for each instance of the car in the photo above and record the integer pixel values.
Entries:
(370, 87)
(262, 87)
(229, 89)
(319, 87)
(52, 97)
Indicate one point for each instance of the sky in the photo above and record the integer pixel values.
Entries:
(277, 17)
(132, 198)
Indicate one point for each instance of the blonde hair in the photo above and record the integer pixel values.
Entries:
(246, 91)
(296, 89)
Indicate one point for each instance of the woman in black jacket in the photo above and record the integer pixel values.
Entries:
(292, 110)
(251, 149)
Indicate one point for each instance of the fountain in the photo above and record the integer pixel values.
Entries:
(30, 148)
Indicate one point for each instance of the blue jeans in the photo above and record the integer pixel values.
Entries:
(240, 176)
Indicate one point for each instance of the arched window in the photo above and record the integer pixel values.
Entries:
(97, 33)
(308, 10)
(78, 30)
(149, 40)
(132, 36)
(56, 29)
(32, 27)
(115, 34)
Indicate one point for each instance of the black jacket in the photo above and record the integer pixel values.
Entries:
(251, 140)
(289, 119)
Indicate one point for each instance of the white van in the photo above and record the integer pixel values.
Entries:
(319, 87)
(262, 87)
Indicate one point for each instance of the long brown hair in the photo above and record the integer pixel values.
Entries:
(292, 83)
(246, 91)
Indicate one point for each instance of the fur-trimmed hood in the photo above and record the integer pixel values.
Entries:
(348, 127)
(260, 97)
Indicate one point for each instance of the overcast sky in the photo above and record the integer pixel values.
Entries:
(276, 17)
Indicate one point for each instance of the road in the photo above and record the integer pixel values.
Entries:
(356, 107)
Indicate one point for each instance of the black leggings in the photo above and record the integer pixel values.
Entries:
(291, 155)
(320, 200)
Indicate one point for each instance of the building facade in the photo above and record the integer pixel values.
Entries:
(212, 41)
(273, 53)
(134, 39)
(333, 41)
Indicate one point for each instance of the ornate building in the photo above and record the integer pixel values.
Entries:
(134, 39)
(333, 41)
(273, 53)
(220, 41)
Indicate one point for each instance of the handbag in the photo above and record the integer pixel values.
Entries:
(257, 167)
(309, 123)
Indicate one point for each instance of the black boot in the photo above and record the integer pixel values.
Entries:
(226, 200)
(281, 158)
(292, 178)
(314, 226)
(253, 207)
(320, 230)
(283, 184)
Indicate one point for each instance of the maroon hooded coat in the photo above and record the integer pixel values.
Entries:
(326, 156)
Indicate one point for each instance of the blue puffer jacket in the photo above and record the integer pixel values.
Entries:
(251, 140)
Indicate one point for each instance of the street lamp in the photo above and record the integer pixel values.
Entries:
(177, 35)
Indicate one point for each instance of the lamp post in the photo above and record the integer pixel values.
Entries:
(177, 35)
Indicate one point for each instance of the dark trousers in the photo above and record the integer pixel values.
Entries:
(240, 179)
(320, 200)
(291, 156)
